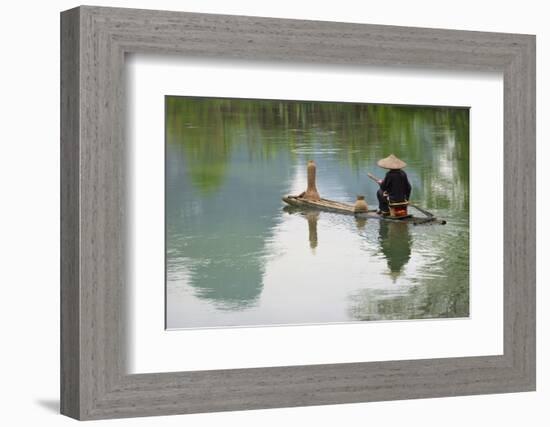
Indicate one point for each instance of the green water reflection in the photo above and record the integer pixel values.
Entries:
(235, 256)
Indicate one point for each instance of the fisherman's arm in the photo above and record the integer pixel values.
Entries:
(384, 184)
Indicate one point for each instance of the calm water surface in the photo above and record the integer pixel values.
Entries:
(236, 256)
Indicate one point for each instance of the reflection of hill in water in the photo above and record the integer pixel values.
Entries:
(222, 234)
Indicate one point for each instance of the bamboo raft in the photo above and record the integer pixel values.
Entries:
(310, 200)
(348, 209)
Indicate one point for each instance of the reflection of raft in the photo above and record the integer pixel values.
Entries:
(347, 209)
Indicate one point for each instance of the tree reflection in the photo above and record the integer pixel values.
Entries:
(434, 140)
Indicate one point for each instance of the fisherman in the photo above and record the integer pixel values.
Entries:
(395, 187)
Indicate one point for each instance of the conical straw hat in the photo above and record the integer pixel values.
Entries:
(391, 162)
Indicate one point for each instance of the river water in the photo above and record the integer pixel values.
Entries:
(235, 256)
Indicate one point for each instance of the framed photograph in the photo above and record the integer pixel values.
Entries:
(338, 212)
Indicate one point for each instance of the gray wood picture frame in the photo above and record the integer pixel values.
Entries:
(94, 381)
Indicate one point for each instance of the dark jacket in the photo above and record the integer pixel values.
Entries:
(397, 185)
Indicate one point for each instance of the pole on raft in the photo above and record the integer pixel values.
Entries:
(375, 179)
